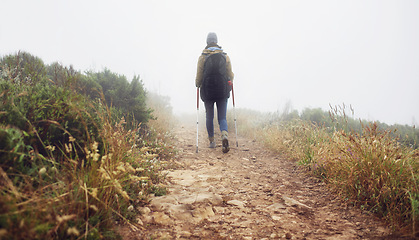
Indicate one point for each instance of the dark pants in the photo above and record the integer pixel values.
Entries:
(221, 115)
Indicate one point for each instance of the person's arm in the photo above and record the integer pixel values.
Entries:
(229, 69)
(200, 71)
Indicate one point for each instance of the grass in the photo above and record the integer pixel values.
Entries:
(70, 166)
(371, 169)
(80, 198)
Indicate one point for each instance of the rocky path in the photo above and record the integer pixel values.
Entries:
(248, 193)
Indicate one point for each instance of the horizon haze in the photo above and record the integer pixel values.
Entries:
(307, 53)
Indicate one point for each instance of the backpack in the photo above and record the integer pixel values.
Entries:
(215, 79)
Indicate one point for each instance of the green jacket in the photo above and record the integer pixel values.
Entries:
(201, 61)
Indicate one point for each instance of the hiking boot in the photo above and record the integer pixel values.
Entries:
(226, 147)
(212, 142)
(224, 137)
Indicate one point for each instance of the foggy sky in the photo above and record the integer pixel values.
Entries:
(310, 53)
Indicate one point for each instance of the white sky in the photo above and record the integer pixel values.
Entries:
(311, 53)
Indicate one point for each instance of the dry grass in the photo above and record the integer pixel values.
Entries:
(72, 167)
(81, 198)
(371, 170)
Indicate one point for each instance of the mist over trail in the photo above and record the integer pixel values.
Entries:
(313, 54)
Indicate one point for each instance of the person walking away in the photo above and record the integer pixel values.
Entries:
(214, 78)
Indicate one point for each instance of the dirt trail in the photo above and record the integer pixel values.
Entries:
(248, 193)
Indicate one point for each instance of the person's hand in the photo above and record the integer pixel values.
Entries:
(230, 83)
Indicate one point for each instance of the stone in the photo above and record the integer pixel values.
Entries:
(161, 218)
(276, 208)
(203, 213)
(236, 203)
(206, 197)
(163, 202)
(144, 210)
(185, 234)
(291, 202)
(147, 218)
(180, 212)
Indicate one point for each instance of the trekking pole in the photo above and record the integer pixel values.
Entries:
(235, 119)
(197, 117)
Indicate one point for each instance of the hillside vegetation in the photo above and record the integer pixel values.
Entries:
(369, 164)
(77, 152)
(80, 152)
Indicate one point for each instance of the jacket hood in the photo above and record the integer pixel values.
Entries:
(212, 50)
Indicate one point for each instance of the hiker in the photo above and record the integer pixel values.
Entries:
(215, 77)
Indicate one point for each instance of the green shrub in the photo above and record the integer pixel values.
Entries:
(69, 167)
(23, 68)
(129, 98)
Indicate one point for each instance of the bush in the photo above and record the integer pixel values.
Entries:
(129, 98)
(48, 113)
(23, 68)
(68, 169)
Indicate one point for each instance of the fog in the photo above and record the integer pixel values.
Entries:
(308, 53)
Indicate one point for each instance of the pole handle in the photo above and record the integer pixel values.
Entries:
(232, 93)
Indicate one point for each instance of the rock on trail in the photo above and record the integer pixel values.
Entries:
(248, 193)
